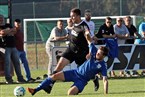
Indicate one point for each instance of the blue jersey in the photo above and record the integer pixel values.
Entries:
(112, 46)
(141, 29)
(92, 66)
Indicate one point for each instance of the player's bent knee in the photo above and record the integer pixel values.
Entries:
(73, 91)
(54, 76)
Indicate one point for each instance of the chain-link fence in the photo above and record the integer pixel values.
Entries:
(60, 8)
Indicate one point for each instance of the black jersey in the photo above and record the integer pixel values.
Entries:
(131, 30)
(8, 40)
(78, 41)
(104, 30)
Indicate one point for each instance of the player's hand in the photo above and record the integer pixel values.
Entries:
(95, 39)
(88, 56)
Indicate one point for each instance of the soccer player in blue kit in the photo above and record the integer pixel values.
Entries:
(80, 76)
(77, 49)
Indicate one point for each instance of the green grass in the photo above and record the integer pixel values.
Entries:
(127, 87)
(117, 88)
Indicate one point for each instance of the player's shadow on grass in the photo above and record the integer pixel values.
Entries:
(114, 92)
(127, 92)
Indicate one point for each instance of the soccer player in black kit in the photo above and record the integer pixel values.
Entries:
(78, 47)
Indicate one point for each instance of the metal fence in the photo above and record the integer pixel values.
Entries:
(60, 8)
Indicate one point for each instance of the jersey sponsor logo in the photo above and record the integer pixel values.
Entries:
(96, 61)
(99, 66)
(74, 33)
(103, 31)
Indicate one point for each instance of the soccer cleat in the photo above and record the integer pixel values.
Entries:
(32, 91)
(96, 83)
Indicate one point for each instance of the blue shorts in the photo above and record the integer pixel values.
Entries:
(72, 75)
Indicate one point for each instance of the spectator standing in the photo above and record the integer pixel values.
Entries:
(68, 29)
(142, 39)
(7, 33)
(107, 31)
(142, 33)
(57, 34)
(82, 74)
(122, 34)
(90, 24)
(132, 30)
(69, 26)
(20, 48)
(121, 30)
(133, 34)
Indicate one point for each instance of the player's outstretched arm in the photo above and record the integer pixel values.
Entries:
(88, 37)
(105, 82)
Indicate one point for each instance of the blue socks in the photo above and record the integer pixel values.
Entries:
(44, 84)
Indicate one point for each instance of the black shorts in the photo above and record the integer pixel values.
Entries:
(79, 57)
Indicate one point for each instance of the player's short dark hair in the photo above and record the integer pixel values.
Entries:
(18, 20)
(77, 11)
(87, 11)
(108, 18)
(60, 21)
(104, 49)
(128, 17)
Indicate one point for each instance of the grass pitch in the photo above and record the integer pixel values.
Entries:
(117, 88)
